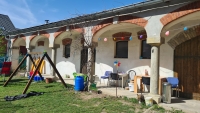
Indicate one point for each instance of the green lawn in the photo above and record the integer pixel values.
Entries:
(61, 100)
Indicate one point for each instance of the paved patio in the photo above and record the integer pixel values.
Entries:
(186, 105)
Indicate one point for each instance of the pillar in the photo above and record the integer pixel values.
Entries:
(154, 83)
(28, 61)
(53, 55)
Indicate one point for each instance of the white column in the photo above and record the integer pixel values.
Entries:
(53, 55)
(28, 61)
(154, 70)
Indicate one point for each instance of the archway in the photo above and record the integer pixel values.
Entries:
(40, 44)
(68, 46)
(18, 52)
(182, 49)
(118, 39)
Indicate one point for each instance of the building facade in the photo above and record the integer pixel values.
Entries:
(163, 35)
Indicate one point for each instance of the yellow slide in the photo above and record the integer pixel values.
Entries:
(42, 66)
(36, 63)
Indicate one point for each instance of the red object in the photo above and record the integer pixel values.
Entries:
(31, 73)
(6, 68)
(119, 63)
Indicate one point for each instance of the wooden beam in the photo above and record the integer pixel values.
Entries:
(35, 65)
(54, 67)
(29, 82)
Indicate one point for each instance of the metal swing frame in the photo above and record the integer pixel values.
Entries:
(36, 70)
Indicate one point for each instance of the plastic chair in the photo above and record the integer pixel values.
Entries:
(115, 76)
(131, 75)
(145, 81)
(174, 84)
(106, 76)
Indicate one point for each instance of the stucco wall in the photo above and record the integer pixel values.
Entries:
(67, 66)
(14, 58)
(46, 48)
(105, 56)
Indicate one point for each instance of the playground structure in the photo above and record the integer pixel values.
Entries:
(37, 62)
(36, 69)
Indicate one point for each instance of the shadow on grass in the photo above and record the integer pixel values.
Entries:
(7, 106)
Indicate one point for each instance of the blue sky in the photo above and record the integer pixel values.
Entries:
(28, 13)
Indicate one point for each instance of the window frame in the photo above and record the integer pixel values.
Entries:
(66, 42)
(142, 49)
(65, 47)
(116, 48)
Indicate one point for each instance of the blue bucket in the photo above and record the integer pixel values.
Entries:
(79, 83)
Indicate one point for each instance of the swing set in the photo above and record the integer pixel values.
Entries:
(36, 69)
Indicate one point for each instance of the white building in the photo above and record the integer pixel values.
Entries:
(158, 40)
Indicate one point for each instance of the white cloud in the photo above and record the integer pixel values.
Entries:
(19, 13)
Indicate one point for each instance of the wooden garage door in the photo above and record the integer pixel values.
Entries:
(187, 64)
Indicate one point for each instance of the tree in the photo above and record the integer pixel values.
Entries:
(3, 44)
(84, 42)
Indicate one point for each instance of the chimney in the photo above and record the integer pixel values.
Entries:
(47, 21)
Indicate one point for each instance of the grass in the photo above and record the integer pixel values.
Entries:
(57, 98)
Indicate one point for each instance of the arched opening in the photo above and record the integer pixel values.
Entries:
(119, 42)
(68, 52)
(40, 44)
(18, 52)
(181, 51)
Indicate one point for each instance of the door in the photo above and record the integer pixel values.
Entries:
(187, 64)
(84, 59)
(22, 53)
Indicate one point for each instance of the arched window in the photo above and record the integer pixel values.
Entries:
(121, 39)
(66, 47)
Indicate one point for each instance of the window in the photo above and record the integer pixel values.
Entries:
(145, 50)
(121, 49)
(66, 47)
(67, 50)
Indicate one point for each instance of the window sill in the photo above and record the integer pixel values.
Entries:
(145, 58)
(121, 57)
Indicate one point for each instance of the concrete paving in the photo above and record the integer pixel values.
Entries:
(186, 105)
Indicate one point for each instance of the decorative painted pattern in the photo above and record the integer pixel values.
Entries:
(101, 25)
(180, 12)
(76, 28)
(127, 19)
(20, 36)
(33, 35)
(41, 43)
(71, 27)
(134, 20)
(43, 33)
(59, 31)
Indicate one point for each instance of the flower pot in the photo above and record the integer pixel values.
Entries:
(49, 80)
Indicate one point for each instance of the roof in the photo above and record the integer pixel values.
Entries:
(6, 23)
(97, 15)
